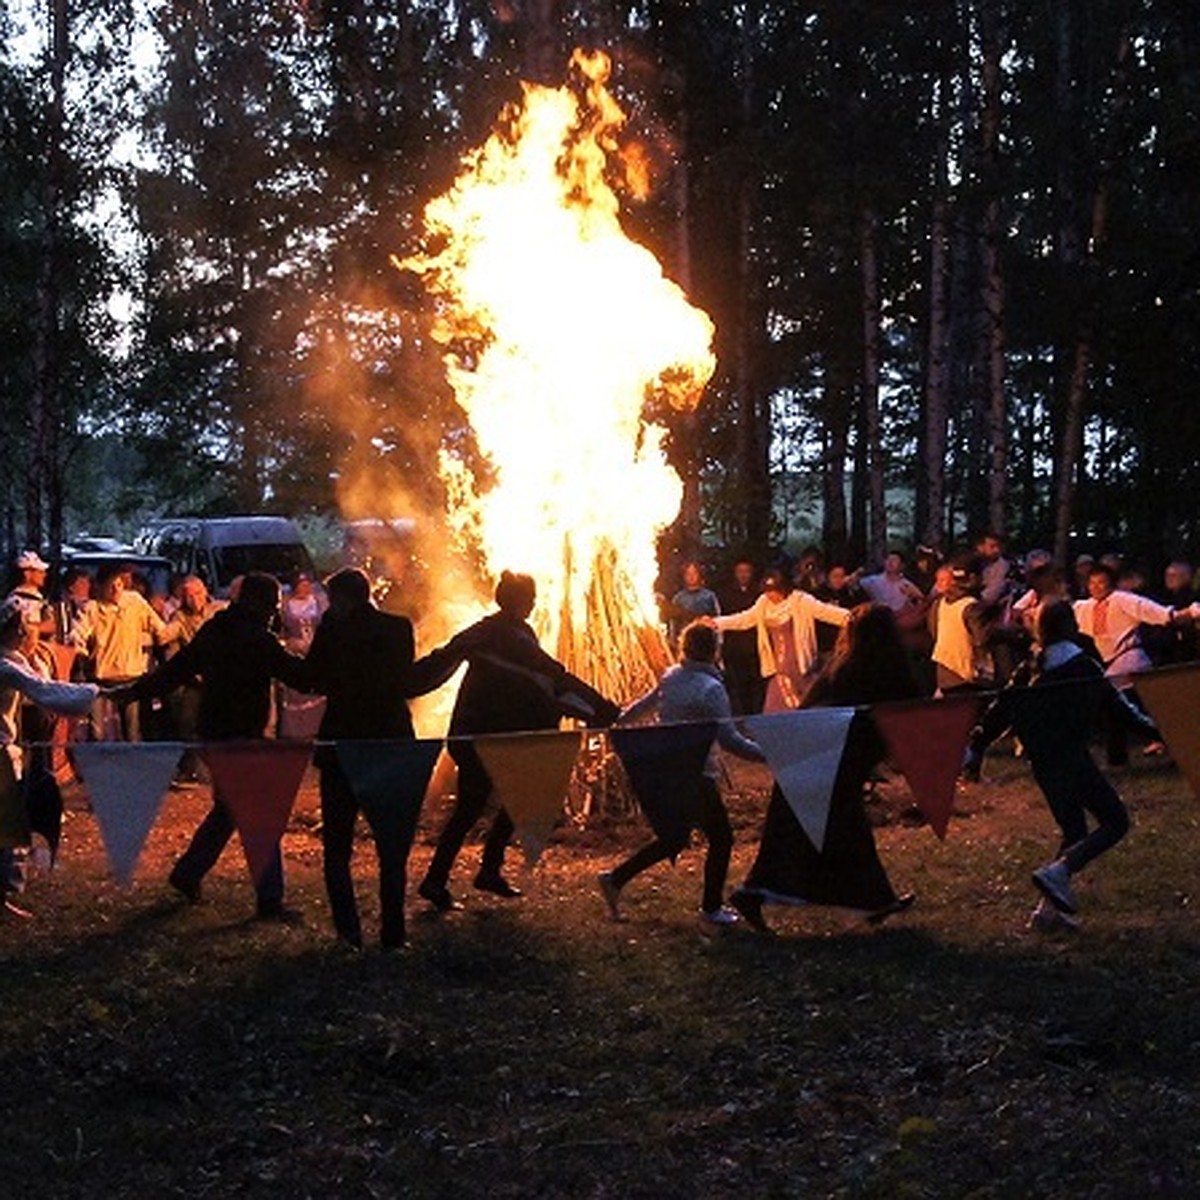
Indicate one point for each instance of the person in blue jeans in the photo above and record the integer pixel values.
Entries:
(1056, 704)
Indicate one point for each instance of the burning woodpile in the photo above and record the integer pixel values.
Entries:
(557, 328)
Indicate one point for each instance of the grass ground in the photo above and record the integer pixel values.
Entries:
(531, 1048)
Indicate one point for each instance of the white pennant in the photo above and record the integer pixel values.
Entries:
(126, 783)
(804, 750)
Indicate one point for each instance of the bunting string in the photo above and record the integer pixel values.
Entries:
(126, 782)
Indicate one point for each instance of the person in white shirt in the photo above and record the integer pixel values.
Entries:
(1113, 620)
(117, 631)
(785, 621)
(20, 682)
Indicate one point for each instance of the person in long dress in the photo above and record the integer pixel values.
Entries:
(869, 666)
(785, 620)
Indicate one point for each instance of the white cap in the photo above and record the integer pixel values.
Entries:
(31, 560)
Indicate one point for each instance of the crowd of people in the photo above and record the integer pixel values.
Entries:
(326, 663)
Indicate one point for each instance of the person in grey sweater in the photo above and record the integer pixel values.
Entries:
(691, 690)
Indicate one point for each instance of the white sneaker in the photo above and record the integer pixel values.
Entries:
(1048, 919)
(1054, 882)
(719, 916)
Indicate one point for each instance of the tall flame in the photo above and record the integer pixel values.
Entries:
(558, 329)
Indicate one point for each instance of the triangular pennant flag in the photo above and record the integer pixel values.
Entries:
(804, 748)
(126, 783)
(530, 773)
(389, 780)
(1173, 697)
(664, 764)
(63, 658)
(257, 781)
(926, 741)
(14, 817)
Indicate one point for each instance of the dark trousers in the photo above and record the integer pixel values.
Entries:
(1116, 731)
(1073, 790)
(746, 687)
(339, 813)
(208, 841)
(474, 788)
(713, 822)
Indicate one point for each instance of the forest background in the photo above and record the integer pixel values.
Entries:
(949, 248)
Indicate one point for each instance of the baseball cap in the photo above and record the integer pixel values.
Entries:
(31, 560)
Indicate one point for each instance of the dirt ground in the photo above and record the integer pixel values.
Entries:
(534, 1048)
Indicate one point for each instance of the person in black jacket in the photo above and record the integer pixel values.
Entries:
(235, 656)
(1054, 705)
(511, 684)
(361, 659)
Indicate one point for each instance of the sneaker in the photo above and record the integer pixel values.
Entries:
(486, 881)
(750, 906)
(719, 916)
(1054, 882)
(611, 893)
(439, 896)
(1048, 919)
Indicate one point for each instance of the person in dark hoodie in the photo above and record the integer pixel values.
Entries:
(511, 685)
(362, 661)
(235, 656)
(1054, 704)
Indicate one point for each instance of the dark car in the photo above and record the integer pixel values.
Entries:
(219, 549)
(155, 568)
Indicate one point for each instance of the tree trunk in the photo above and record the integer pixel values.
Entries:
(687, 426)
(995, 411)
(43, 481)
(937, 396)
(930, 511)
(872, 456)
(839, 392)
(753, 421)
(1075, 417)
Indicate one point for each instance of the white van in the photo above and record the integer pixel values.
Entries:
(219, 549)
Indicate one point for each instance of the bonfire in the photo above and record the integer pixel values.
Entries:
(558, 330)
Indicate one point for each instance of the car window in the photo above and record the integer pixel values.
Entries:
(282, 561)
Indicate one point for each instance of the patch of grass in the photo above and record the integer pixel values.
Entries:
(532, 1048)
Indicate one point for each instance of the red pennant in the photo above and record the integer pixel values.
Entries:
(63, 658)
(257, 782)
(926, 741)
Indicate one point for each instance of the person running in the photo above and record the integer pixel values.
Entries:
(235, 656)
(692, 690)
(511, 685)
(869, 666)
(361, 660)
(1055, 725)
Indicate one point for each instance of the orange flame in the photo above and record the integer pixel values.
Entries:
(558, 328)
